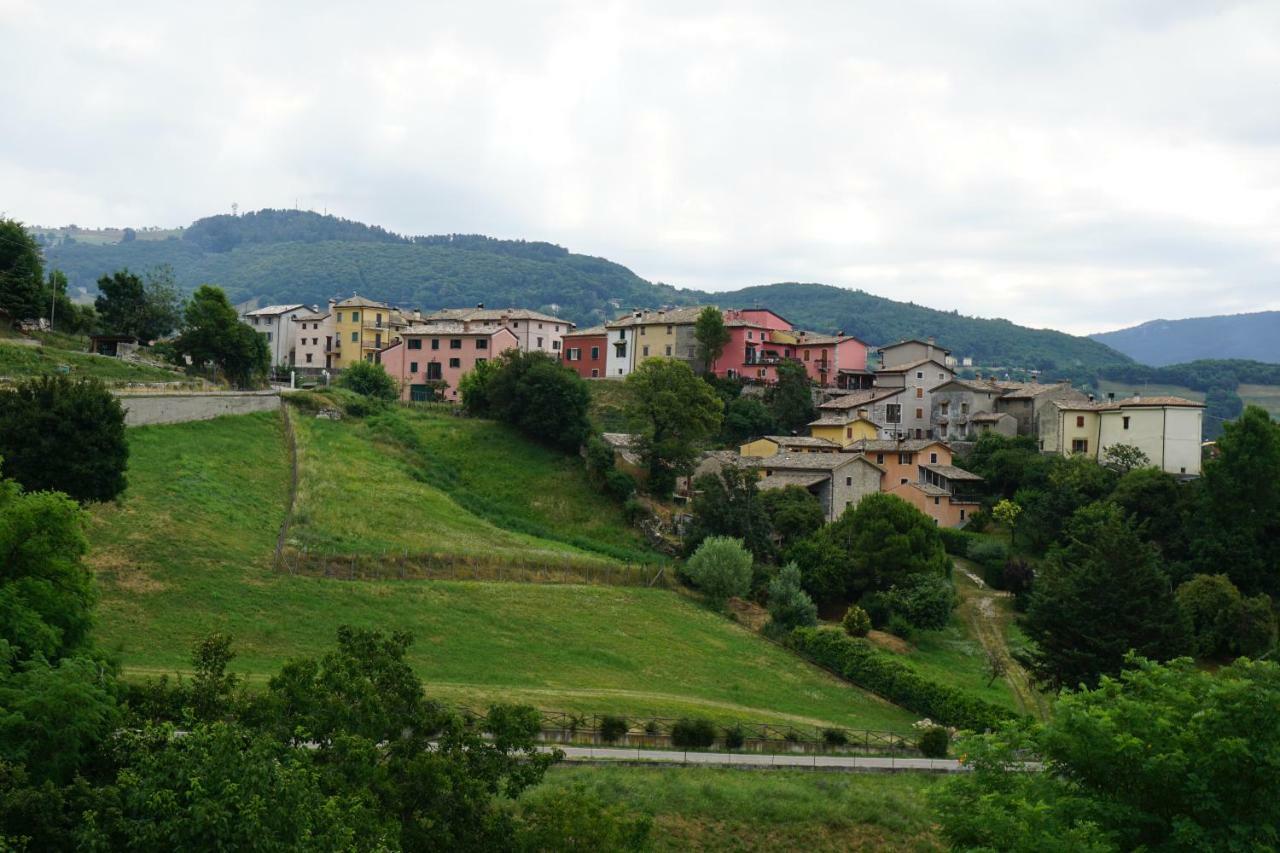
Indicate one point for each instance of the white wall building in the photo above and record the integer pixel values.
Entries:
(314, 335)
(1166, 429)
(276, 323)
(534, 331)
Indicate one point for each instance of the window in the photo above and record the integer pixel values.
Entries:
(669, 329)
(937, 501)
(415, 343)
(413, 367)
(933, 459)
(942, 377)
(1080, 445)
(1126, 417)
(355, 316)
(539, 325)
(669, 352)
(962, 515)
(1079, 420)
(848, 432)
(482, 343)
(377, 340)
(919, 414)
(355, 336)
(902, 482)
(645, 351)
(455, 362)
(433, 370)
(595, 353)
(517, 324)
(904, 458)
(555, 345)
(806, 355)
(539, 343)
(964, 408)
(750, 334)
(893, 413)
(339, 316)
(642, 331)
(595, 373)
(944, 407)
(919, 374)
(919, 393)
(879, 458)
(435, 343)
(268, 337)
(572, 354)
(557, 328)
(455, 343)
(848, 481)
(308, 358)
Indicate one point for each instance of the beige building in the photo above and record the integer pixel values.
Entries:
(313, 335)
(1167, 429)
(911, 352)
(534, 331)
(914, 381)
(275, 324)
(661, 333)
(838, 480)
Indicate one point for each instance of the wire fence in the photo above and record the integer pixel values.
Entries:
(407, 565)
(659, 732)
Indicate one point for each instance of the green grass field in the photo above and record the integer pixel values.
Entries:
(608, 399)
(187, 551)
(726, 809)
(19, 361)
(1266, 396)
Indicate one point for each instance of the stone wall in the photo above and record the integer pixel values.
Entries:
(144, 409)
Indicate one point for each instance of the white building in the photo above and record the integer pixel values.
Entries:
(534, 331)
(276, 322)
(1166, 429)
(314, 335)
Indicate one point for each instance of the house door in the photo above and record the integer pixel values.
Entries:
(420, 393)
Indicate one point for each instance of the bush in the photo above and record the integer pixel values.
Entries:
(693, 734)
(878, 608)
(835, 737)
(882, 674)
(1017, 576)
(988, 553)
(924, 601)
(634, 510)
(619, 484)
(721, 568)
(933, 742)
(1223, 622)
(651, 727)
(789, 605)
(612, 729)
(979, 521)
(900, 626)
(735, 737)
(856, 622)
(368, 380)
(955, 541)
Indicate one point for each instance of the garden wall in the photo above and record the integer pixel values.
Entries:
(144, 409)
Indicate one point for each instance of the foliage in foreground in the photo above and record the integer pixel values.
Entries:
(369, 380)
(721, 568)
(1165, 757)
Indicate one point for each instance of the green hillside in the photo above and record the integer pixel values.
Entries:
(1254, 337)
(22, 357)
(287, 256)
(188, 550)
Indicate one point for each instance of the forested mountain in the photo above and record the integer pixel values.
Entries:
(1230, 336)
(284, 256)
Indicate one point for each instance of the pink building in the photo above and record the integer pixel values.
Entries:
(826, 356)
(428, 362)
(759, 340)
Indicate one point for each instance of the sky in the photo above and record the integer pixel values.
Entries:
(1073, 165)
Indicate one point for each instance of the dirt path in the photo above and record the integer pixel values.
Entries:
(988, 613)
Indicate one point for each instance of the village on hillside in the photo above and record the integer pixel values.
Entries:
(889, 419)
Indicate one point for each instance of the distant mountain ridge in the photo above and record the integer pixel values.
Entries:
(283, 255)
(1255, 337)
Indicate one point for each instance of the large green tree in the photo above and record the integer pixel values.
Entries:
(63, 435)
(679, 412)
(1237, 529)
(729, 503)
(146, 309)
(212, 334)
(22, 287)
(535, 393)
(790, 398)
(1098, 596)
(1164, 757)
(711, 334)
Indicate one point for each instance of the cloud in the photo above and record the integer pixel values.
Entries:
(1080, 166)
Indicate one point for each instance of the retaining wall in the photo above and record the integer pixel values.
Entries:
(144, 409)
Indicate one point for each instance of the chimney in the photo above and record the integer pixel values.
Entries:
(479, 304)
(862, 413)
(417, 314)
(1090, 398)
(1111, 395)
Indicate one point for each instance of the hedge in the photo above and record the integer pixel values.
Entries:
(957, 542)
(861, 663)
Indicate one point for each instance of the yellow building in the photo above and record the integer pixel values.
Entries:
(662, 333)
(361, 328)
(843, 430)
(771, 445)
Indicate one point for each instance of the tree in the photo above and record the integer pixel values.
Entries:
(729, 503)
(793, 512)
(790, 399)
(162, 306)
(678, 411)
(711, 334)
(22, 287)
(212, 334)
(473, 387)
(924, 600)
(1123, 458)
(744, 418)
(1157, 504)
(537, 394)
(127, 305)
(1222, 622)
(1006, 512)
(789, 605)
(370, 380)
(63, 435)
(1098, 596)
(1164, 757)
(880, 542)
(1238, 523)
(721, 568)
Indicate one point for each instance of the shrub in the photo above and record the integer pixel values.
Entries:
(693, 733)
(612, 728)
(721, 568)
(619, 484)
(856, 622)
(789, 605)
(835, 737)
(1222, 621)
(634, 510)
(933, 742)
(900, 626)
(878, 608)
(988, 552)
(651, 727)
(1256, 630)
(924, 601)
(735, 737)
(955, 541)
(369, 380)
(979, 521)
(881, 673)
(1017, 576)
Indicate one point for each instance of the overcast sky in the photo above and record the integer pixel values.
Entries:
(1077, 165)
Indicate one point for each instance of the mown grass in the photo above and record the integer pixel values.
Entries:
(1266, 396)
(697, 808)
(18, 361)
(187, 551)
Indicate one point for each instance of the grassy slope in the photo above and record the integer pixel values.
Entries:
(19, 361)
(710, 809)
(187, 551)
(1266, 396)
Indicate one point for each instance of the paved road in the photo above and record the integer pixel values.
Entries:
(845, 763)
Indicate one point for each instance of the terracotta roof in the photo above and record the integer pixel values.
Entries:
(913, 341)
(1026, 390)
(801, 440)
(447, 328)
(903, 368)
(891, 445)
(930, 489)
(983, 417)
(808, 461)
(951, 472)
(977, 385)
(470, 314)
(357, 301)
(311, 316)
(860, 398)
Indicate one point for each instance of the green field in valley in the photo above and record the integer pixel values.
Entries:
(188, 550)
(1266, 396)
(725, 809)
